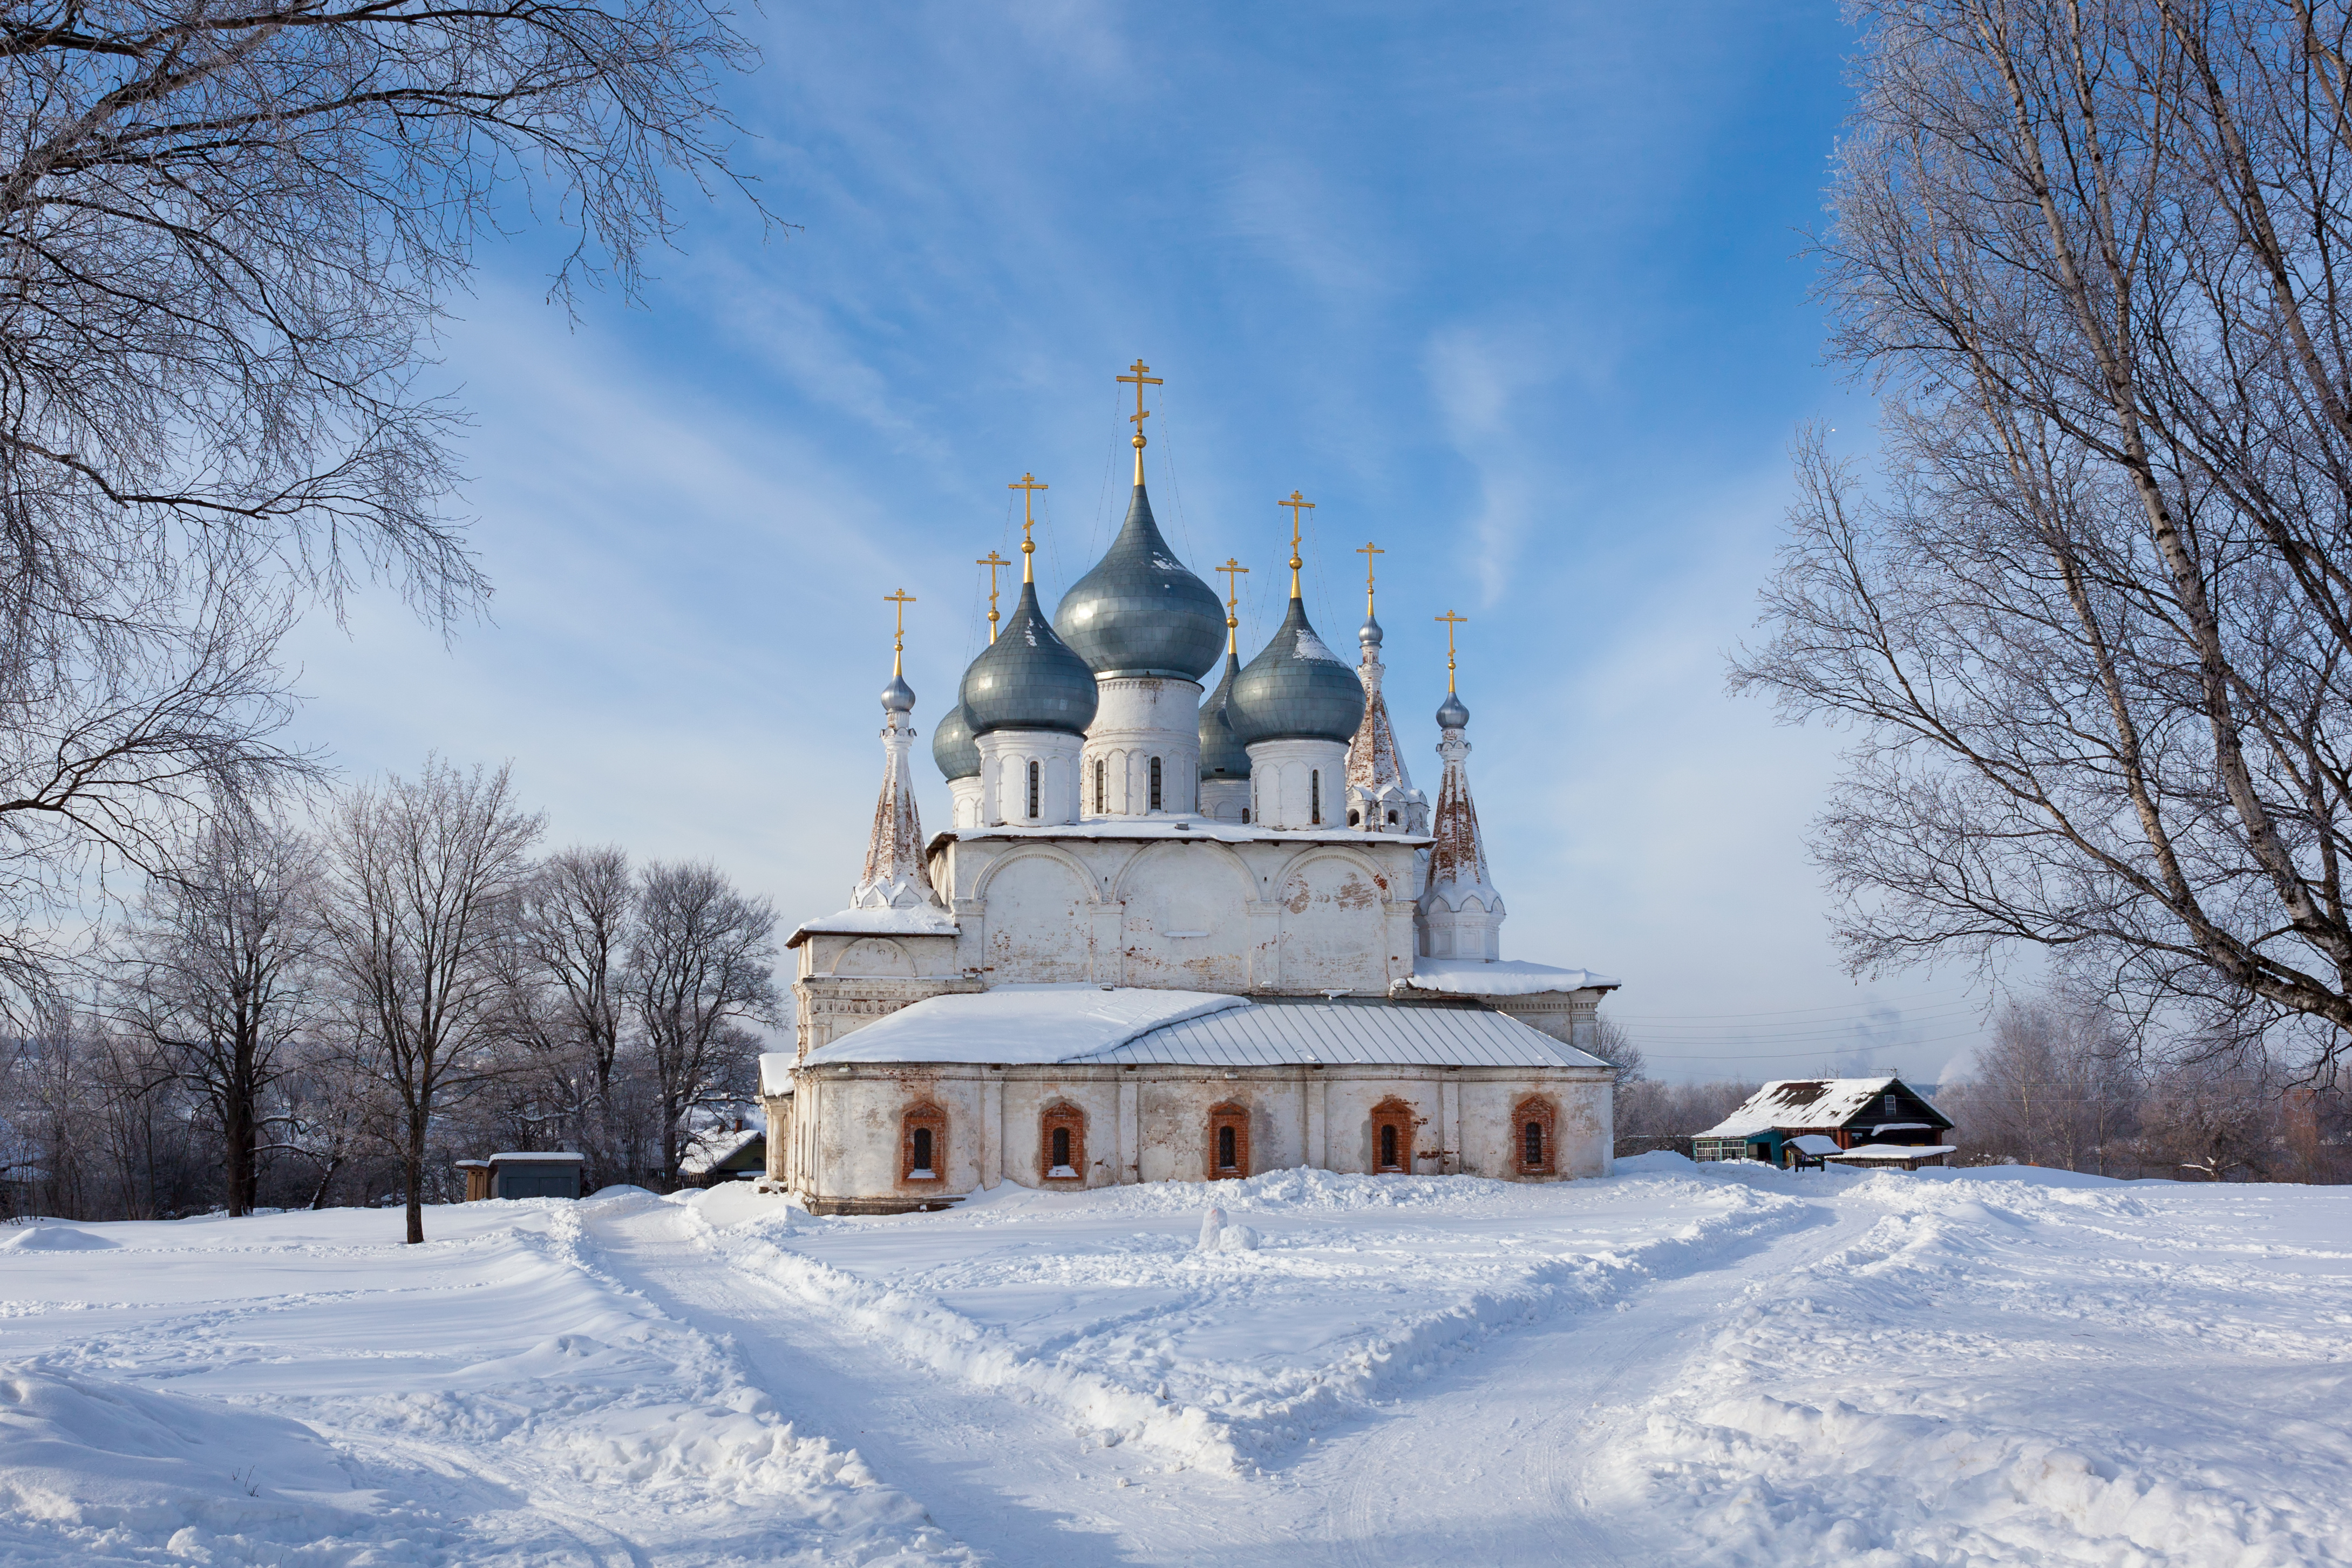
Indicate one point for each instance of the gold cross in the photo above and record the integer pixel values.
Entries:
(1296, 501)
(898, 642)
(1140, 377)
(1028, 486)
(1368, 550)
(991, 561)
(1233, 568)
(1452, 621)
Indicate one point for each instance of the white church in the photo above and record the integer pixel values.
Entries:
(1171, 935)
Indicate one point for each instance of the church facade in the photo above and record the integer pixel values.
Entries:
(1173, 932)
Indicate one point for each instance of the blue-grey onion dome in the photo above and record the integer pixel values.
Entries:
(1139, 611)
(1370, 633)
(898, 697)
(1451, 713)
(953, 748)
(1028, 678)
(1222, 756)
(1296, 690)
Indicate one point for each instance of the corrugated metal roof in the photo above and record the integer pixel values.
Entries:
(1336, 1034)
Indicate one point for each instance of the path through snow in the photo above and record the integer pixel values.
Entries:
(1679, 1363)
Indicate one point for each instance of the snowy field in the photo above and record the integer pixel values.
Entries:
(1676, 1365)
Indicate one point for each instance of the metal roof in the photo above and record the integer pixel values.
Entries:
(1338, 1034)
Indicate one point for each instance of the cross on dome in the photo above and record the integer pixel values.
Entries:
(1298, 503)
(1138, 373)
(992, 562)
(1028, 484)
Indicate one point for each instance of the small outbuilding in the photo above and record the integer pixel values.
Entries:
(1851, 1114)
(724, 1154)
(535, 1173)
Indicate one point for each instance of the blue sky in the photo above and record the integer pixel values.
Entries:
(1515, 291)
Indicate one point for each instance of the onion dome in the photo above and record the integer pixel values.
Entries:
(1222, 756)
(1139, 611)
(953, 748)
(898, 697)
(1369, 634)
(1028, 678)
(1451, 713)
(1296, 690)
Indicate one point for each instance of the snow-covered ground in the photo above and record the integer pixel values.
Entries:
(1721, 1364)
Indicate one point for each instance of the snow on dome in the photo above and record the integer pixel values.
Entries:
(1139, 611)
(1295, 689)
(1500, 978)
(1019, 1024)
(1027, 679)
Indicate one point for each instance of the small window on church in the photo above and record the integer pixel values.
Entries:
(1533, 1154)
(1315, 797)
(1155, 783)
(1062, 1147)
(922, 1145)
(1392, 819)
(1535, 1121)
(1226, 1157)
(1352, 817)
(922, 1153)
(1389, 1145)
(1392, 1128)
(1244, 815)
(1033, 788)
(1229, 1147)
(1101, 795)
(1062, 1142)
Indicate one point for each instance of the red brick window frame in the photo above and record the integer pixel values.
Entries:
(1228, 1153)
(1392, 1129)
(922, 1144)
(1062, 1129)
(1534, 1142)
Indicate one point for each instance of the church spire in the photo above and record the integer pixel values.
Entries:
(895, 876)
(1461, 913)
(1381, 795)
(1139, 375)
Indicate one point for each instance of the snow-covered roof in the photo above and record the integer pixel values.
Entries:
(914, 920)
(1793, 1104)
(1336, 1034)
(1020, 1023)
(1871, 1153)
(1814, 1143)
(539, 1157)
(1500, 978)
(776, 1072)
(714, 1148)
(1126, 1026)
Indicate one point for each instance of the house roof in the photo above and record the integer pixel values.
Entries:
(1127, 1026)
(1810, 1105)
(716, 1147)
(1874, 1154)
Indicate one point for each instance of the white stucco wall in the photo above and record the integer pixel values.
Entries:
(1137, 718)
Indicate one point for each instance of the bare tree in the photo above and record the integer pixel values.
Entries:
(699, 969)
(220, 973)
(2093, 628)
(2054, 1087)
(426, 874)
(226, 235)
(2215, 1114)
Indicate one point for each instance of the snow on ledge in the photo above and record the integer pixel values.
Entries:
(1019, 1024)
(915, 920)
(1500, 978)
(776, 1072)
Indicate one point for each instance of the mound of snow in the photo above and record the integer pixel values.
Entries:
(54, 1238)
(87, 1463)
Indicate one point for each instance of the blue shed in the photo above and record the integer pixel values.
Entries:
(536, 1174)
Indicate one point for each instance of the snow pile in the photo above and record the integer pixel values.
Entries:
(52, 1237)
(1499, 977)
(95, 1468)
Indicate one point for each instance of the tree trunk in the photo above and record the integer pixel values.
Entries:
(412, 1173)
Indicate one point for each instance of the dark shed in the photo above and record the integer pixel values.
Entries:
(542, 1174)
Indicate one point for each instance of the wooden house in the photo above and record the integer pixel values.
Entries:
(1883, 1119)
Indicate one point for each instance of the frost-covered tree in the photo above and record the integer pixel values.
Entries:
(700, 969)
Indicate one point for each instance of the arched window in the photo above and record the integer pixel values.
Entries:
(1155, 783)
(1534, 1123)
(1062, 1144)
(1315, 797)
(1033, 788)
(1352, 817)
(923, 1143)
(1393, 1123)
(1229, 1150)
(1392, 819)
(1244, 815)
(1102, 794)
